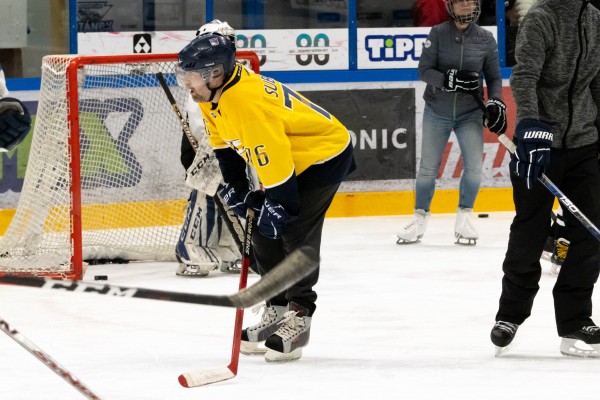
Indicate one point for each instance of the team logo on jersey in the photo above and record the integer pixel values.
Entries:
(427, 44)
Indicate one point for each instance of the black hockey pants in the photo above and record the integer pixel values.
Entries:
(575, 172)
(306, 229)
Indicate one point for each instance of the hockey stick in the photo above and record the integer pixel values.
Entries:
(552, 188)
(231, 220)
(47, 360)
(201, 378)
(292, 269)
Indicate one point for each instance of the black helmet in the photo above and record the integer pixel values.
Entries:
(207, 51)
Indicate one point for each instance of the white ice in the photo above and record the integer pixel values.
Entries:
(393, 322)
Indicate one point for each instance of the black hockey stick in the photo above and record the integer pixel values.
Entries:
(205, 377)
(184, 124)
(292, 269)
(47, 360)
(231, 220)
(562, 198)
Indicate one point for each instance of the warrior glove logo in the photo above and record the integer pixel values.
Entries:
(544, 135)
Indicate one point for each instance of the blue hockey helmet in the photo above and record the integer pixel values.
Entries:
(208, 51)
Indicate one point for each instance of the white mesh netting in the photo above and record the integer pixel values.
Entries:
(132, 183)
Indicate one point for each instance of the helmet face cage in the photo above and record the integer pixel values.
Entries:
(203, 76)
(218, 27)
(470, 15)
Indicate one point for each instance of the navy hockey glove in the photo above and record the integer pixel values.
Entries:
(461, 81)
(495, 117)
(533, 139)
(15, 122)
(239, 198)
(272, 219)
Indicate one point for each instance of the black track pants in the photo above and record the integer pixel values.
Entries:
(575, 172)
(304, 230)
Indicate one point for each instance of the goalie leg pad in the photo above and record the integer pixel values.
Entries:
(227, 249)
(199, 236)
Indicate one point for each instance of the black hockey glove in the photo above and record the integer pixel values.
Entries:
(239, 198)
(534, 140)
(496, 111)
(461, 81)
(15, 122)
(272, 219)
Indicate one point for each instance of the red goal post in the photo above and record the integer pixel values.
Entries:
(103, 179)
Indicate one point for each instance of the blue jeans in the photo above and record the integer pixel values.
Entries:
(436, 132)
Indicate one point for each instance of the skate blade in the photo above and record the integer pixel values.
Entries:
(405, 241)
(189, 274)
(402, 241)
(465, 241)
(578, 348)
(499, 351)
(252, 348)
(275, 356)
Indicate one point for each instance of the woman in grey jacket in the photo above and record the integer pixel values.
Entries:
(556, 85)
(454, 55)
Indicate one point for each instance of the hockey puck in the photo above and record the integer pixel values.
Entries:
(483, 215)
(100, 277)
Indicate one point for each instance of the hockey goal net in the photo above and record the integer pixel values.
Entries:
(104, 180)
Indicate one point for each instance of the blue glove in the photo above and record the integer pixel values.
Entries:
(533, 139)
(272, 219)
(239, 198)
(15, 122)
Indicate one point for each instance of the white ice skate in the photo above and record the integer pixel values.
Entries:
(464, 228)
(414, 231)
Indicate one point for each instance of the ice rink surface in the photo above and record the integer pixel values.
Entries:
(393, 322)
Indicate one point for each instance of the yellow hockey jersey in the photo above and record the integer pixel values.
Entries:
(275, 129)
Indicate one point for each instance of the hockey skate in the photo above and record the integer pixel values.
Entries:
(286, 344)
(234, 267)
(414, 231)
(584, 343)
(253, 336)
(464, 229)
(559, 253)
(502, 335)
(195, 270)
(195, 261)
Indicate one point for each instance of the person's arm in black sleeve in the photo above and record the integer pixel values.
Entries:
(287, 195)
(233, 166)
